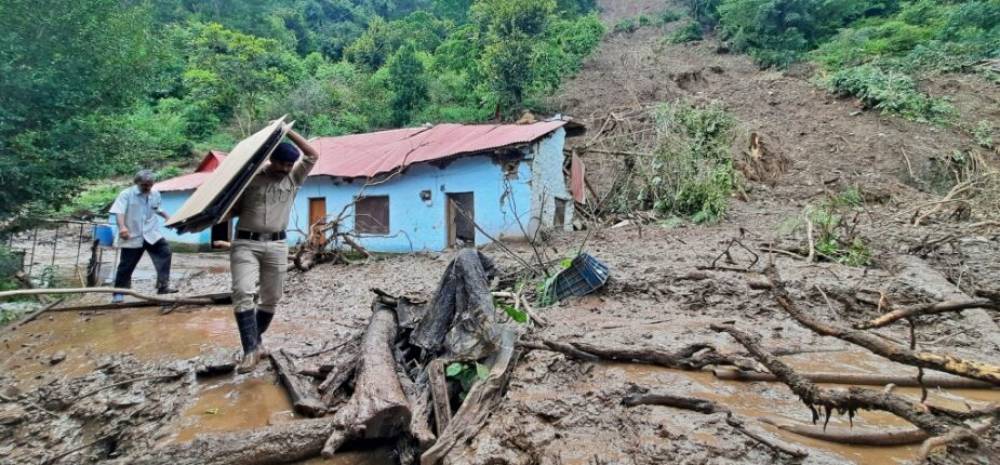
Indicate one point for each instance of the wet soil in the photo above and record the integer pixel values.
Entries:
(560, 411)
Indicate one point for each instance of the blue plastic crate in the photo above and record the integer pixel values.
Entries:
(584, 275)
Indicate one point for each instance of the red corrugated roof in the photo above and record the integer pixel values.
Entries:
(367, 155)
(182, 183)
(208, 164)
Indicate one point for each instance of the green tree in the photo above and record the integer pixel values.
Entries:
(407, 84)
(234, 72)
(63, 66)
(510, 29)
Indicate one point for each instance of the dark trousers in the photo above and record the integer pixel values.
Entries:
(158, 252)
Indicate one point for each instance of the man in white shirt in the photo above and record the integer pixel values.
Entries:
(135, 211)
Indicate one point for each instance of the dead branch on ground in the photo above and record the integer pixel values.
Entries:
(944, 363)
(927, 309)
(708, 407)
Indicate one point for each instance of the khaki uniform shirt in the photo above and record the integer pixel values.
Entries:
(267, 201)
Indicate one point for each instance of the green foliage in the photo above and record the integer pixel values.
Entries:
(777, 32)
(63, 66)
(704, 12)
(690, 32)
(407, 84)
(627, 25)
(101, 88)
(10, 264)
(983, 134)
(93, 200)
(670, 15)
(834, 224)
(467, 374)
(890, 92)
(924, 35)
(691, 172)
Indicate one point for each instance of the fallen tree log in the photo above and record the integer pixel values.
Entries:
(928, 309)
(848, 401)
(305, 398)
(861, 379)
(378, 408)
(216, 298)
(288, 442)
(479, 404)
(897, 353)
(708, 407)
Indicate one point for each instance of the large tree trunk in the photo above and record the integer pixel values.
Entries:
(379, 407)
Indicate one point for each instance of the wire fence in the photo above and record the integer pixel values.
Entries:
(59, 251)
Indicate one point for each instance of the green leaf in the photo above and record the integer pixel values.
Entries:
(482, 371)
(515, 314)
(454, 369)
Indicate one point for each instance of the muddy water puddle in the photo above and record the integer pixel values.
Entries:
(83, 339)
(233, 404)
(776, 401)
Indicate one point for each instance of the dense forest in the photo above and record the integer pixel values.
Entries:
(98, 88)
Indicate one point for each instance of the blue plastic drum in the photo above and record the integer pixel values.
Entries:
(104, 234)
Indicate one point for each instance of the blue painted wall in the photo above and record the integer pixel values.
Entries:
(506, 206)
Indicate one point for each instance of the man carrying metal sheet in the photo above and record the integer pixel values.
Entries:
(135, 211)
(260, 252)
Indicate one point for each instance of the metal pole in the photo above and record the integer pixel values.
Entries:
(34, 242)
(79, 245)
(55, 244)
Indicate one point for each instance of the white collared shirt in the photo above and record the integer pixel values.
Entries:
(140, 216)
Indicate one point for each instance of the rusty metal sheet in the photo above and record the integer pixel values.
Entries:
(578, 179)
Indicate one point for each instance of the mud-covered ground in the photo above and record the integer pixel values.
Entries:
(557, 410)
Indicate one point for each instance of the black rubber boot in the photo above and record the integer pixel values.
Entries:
(246, 321)
(263, 321)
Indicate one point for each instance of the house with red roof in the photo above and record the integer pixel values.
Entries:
(420, 189)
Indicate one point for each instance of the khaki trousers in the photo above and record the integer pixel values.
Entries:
(253, 260)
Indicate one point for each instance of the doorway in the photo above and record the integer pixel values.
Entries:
(221, 232)
(461, 217)
(317, 219)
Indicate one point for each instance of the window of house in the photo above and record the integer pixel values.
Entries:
(371, 215)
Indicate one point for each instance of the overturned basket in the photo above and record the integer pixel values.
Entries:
(584, 275)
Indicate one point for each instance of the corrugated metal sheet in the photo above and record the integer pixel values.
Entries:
(367, 155)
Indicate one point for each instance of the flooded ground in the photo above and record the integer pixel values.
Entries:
(240, 402)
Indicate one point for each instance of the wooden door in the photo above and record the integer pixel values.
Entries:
(317, 219)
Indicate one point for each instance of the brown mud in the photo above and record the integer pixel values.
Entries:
(561, 411)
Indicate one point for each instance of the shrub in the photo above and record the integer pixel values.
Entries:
(690, 32)
(669, 16)
(889, 92)
(627, 25)
(690, 173)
